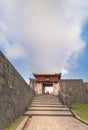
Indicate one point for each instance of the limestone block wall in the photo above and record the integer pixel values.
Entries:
(56, 88)
(85, 84)
(33, 84)
(66, 99)
(39, 88)
(74, 88)
(15, 94)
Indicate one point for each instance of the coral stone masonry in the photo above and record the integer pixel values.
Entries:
(15, 93)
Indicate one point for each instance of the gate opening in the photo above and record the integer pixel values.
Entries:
(47, 88)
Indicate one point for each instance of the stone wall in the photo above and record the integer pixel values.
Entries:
(56, 88)
(33, 84)
(15, 94)
(85, 84)
(39, 88)
(65, 98)
(75, 89)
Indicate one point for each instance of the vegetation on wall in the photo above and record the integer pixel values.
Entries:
(15, 124)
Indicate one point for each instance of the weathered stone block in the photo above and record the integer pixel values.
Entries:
(15, 93)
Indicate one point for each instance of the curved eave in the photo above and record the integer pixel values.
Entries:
(43, 74)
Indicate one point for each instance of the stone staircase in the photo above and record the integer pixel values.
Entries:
(47, 105)
(46, 112)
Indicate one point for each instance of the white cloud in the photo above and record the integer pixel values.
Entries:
(3, 27)
(12, 48)
(50, 30)
(64, 71)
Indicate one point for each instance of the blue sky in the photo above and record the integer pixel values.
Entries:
(81, 70)
(45, 36)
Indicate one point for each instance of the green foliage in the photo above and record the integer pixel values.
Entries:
(14, 125)
(81, 110)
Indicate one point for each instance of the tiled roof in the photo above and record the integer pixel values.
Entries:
(46, 74)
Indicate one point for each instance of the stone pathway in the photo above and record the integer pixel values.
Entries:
(49, 114)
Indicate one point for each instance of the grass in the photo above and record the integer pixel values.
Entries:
(14, 125)
(81, 110)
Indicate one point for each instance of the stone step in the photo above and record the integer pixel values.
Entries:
(56, 99)
(50, 113)
(46, 98)
(59, 115)
(48, 108)
(47, 105)
(45, 95)
(46, 101)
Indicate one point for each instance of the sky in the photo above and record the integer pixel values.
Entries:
(45, 36)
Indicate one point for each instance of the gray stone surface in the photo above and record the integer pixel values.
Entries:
(49, 108)
(48, 105)
(49, 112)
(66, 99)
(15, 94)
(85, 84)
(50, 122)
(75, 89)
(55, 123)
